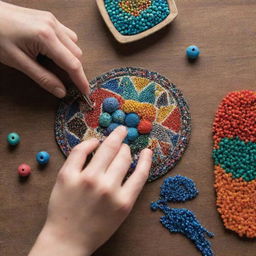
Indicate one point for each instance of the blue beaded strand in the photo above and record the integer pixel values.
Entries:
(180, 189)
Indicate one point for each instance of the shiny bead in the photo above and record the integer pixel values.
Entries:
(13, 138)
(132, 134)
(24, 170)
(105, 120)
(110, 104)
(192, 52)
(132, 120)
(42, 157)
(118, 116)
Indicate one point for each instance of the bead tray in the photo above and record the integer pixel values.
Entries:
(140, 91)
(131, 38)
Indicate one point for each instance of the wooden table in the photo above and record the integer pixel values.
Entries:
(225, 32)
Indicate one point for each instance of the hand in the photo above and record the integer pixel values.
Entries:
(24, 33)
(88, 204)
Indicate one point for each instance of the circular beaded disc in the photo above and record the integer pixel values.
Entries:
(140, 91)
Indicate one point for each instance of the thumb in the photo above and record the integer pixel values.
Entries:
(39, 74)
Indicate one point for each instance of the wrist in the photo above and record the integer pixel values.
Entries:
(52, 242)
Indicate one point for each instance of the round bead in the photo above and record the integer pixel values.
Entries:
(192, 52)
(13, 138)
(105, 120)
(132, 120)
(132, 134)
(118, 116)
(42, 157)
(112, 127)
(110, 104)
(24, 170)
(144, 127)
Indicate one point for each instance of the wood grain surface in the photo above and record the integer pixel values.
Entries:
(224, 30)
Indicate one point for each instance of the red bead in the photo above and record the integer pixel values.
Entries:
(144, 127)
(24, 170)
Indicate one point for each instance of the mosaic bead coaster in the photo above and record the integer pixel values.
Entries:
(180, 189)
(139, 92)
(131, 20)
(234, 154)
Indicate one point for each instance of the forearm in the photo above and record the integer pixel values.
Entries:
(49, 243)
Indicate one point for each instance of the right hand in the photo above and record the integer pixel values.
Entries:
(88, 204)
(25, 33)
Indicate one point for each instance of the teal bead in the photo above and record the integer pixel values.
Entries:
(132, 134)
(105, 120)
(13, 138)
(42, 157)
(118, 116)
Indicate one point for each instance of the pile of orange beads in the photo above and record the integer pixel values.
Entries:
(234, 154)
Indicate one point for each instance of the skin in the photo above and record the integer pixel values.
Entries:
(22, 40)
(87, 205)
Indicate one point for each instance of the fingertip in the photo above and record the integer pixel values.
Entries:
(59, 92)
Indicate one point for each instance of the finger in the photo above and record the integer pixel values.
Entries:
(107, 151)
(73, 36)
(79, 154)
(135, 183)
(63, 57)
(66, 40)
(36, 72)
(120, 165)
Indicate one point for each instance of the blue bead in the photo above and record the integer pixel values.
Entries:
(132, 134)
(110, 105)
(105, 120)
(42, 157)
(132, 120)
(112, 127)
(13, 138)
(192, 52)
(118, 116)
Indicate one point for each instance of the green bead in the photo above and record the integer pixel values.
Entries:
(13, 138)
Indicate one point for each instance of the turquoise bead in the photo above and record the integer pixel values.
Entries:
(192, 52)
(13, 138)
(42, 157)
(118, 116)
(105, 120)
(132, 134)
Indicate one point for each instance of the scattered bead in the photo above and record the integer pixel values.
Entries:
(144, 127)
(132, 120)
(118, 116)
(105, 120)
(192, 52)
(181, 189)
(110, 105)
(24, 170)
(42, 157)
(13, 138)
(132, 134)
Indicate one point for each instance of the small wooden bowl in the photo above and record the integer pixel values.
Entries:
(131, 38)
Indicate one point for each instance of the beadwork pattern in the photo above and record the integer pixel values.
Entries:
(179, 189)
(139, 91)
(132, 17)
(234, 154)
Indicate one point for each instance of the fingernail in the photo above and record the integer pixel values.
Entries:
(123, 128)
(59, 92)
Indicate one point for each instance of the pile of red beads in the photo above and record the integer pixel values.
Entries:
(112, 116)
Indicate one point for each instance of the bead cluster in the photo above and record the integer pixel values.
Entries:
(113, 117)
(132, 17)
(234, 154)
(181, 189)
